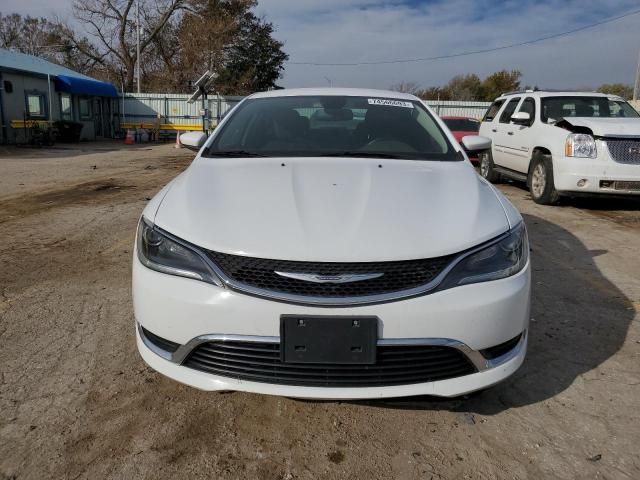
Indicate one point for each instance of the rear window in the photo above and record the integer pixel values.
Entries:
(462, 124)
(493, 111)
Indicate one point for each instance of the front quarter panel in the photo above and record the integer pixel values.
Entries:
(513, 215)
(552, 138)
(151, 209)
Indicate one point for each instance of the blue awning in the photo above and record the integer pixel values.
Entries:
(81, 86)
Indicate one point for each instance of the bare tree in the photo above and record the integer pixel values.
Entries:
(434, 93)
(48, 39)
(179, 40)
(406, 87)
(465, 87)
(225, 37)
(113, 25)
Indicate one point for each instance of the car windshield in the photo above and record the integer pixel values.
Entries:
(462, 124)
(312, 126)
(555, 108)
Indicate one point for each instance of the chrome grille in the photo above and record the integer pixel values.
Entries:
(392, 276)
(625, 151)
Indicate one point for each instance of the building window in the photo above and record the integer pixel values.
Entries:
(36, 105)
(65, 107)
(85, 108)
(8, 86)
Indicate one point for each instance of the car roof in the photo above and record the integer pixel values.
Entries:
(453, 117)
(346, 92)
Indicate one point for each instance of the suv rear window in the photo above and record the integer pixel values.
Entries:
(493, 111)
(508, 110)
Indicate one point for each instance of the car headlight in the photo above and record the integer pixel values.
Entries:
(501, 259)
(580, 145)
(160, 252)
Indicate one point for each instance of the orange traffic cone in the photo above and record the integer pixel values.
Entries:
(128, 140)
(178, 144)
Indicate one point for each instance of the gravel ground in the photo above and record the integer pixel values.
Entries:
(76, 400)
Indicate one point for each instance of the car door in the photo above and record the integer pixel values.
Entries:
(500, 133)
(517, 141)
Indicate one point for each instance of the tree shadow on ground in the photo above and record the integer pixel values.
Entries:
(580, 319)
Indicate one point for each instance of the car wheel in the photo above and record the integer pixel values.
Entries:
(487, 170)
(540, 180)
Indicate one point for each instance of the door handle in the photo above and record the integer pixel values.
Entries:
(509, 133)
(494, 130)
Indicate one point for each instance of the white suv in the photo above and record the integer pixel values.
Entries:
(563, 142)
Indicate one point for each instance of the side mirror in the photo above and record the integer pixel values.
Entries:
(521, 118)
(193, 140)
(475, 143)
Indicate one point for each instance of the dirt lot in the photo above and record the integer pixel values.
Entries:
(76, 400)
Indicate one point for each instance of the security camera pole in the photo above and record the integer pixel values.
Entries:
(202, 85)
(138, 44)
(636, 86)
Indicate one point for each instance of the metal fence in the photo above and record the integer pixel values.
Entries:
(172, 111)
(459, 109)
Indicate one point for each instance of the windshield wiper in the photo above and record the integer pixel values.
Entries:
(236, 153)
(355, 153)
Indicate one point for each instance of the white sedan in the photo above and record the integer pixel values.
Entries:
(332, 243)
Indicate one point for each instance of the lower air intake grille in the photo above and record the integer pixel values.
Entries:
(499, 350)
(162, 343)
(396, 275)
(627, 185)
(395, 365)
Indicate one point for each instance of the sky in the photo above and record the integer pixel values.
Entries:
(349, 31)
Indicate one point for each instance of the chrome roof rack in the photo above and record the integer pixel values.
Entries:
(529, 90)
(548, 90)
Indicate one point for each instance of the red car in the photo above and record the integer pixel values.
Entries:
(461, 127)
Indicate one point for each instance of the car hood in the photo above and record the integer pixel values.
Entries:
(332, 209)
(607, 127)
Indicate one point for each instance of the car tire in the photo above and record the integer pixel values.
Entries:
(540, 181)
(487, 167)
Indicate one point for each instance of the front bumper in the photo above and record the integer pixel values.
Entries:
(494, 372)
(477, 317)
(587, 175)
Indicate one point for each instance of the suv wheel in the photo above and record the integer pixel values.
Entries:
(540, 180)
(487, 170)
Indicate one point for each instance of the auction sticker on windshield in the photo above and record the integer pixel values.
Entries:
(390, 103)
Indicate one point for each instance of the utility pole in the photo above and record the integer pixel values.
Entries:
(636, 86)
(138, 43)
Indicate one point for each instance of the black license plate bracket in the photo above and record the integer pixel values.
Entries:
(328, 339)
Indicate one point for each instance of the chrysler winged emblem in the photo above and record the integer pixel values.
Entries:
(339, 278)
